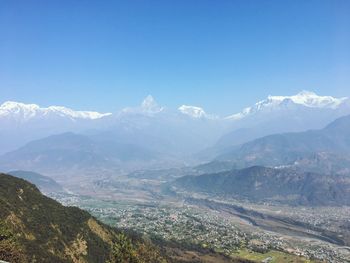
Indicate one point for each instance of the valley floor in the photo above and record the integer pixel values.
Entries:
(237, 229)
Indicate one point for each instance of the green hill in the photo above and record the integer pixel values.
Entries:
(35, 228)
(44, 183)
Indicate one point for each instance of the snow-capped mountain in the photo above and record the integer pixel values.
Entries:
(148, 125)
(184, 130)
(163, 129)
(148, 107)
(302, 99)
(193, 111)
(21, 123)
(278, 114)
(25, 112)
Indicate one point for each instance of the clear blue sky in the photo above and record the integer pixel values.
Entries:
(221, 55)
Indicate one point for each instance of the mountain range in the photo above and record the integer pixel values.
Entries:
(177, 131)
(326, 150)
(279, 114)
(21, 123)
(153, 136)
(261, 184)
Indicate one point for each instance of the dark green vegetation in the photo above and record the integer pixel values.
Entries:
(44, 183)
(324, 151)
(268, 184)
(35, 228)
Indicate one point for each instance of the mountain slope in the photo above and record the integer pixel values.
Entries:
(44, 183)
(268, 184)
(149, 125)
(34, 228)
(70, 151)
(281, 114)
(180, 133)
(21, 123)
(328, 148)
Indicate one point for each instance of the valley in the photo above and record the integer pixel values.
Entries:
(235, 228)
(157, 174)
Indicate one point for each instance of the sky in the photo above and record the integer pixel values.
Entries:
(220, 55)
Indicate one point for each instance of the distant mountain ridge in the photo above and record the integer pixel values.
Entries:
(24, 112)
(69, 152)
(21, 123)
(279, 114)
(262, 184)
(181, 132)
(331, 143)
(303, 98)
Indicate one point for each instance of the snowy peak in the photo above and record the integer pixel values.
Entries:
(303, 98)
(148, 107)
(15, 108)
(193, 111)
(12, 105)
(310, 99)
(93, 115)
(25, 112)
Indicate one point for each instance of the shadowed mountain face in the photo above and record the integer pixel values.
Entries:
(71, 151)
(34, 228)
(279, 114)
(147, 126)
(268, 184)
(326, 150)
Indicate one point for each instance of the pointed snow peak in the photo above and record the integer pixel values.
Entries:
(149, 105)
